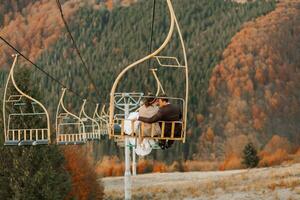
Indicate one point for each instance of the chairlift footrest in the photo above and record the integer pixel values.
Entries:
(155, 147)
(26, 142)
(41, 142)
(11, 143)
(71, 143)
(93, 139)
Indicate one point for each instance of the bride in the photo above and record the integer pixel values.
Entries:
(144, 145)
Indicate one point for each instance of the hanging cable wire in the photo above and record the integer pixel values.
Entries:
(152, 26)
(41, 69)
(151, 36)
(76, 48)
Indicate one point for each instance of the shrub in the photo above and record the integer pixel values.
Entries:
(159, 167)
(144, 166)
(231, 162)
(110, 166)
(277, 142)
(276, 158)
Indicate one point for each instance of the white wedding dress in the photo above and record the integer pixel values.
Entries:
(145, 147)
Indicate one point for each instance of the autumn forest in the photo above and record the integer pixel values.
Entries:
(244, 85)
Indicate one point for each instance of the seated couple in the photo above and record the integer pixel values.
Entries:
(159, 109)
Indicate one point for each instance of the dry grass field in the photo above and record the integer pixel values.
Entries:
(282, 182)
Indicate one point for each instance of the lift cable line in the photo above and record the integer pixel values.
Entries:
(76, 48)
(41, 69)
(152, 26)
(152, 29)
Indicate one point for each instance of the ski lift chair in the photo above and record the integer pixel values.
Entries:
(163, 62)
(26, 120)
(92, 127)
(70, 129)
(101, 119)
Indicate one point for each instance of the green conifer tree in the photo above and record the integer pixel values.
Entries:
(250, 158)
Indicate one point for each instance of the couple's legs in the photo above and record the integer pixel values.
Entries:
(165, 144)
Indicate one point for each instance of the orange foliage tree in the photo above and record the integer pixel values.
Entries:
(276, 158)
(254, 89)
(85, 184)
(34, 29)
(231, 162)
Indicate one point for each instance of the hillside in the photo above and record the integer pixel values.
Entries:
(108, 43)
(255, 90)
(265, 183)
(31, 26)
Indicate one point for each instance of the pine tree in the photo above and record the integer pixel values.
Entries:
(250, 158)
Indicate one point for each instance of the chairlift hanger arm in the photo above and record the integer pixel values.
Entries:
(83, 113)
(102, 116)
(159, 85)
(61, 105)
(103, 112)
(96, 115)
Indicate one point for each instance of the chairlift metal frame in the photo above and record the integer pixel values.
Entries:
(101, 119)
(23, 136)
(158, 83)
(174, 27)
(65, 118)
(92, 127)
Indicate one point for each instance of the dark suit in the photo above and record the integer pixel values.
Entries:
(167, 113)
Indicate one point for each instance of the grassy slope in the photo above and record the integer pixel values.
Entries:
(264, 183)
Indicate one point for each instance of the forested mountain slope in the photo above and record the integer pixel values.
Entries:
(34, 26)
(9, 9)
(110, 40)
(31, 26)
(255, 90)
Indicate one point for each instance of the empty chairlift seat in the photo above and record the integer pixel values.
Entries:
(26, 120)
(92, 127)
(70, 129)
(101, 119)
